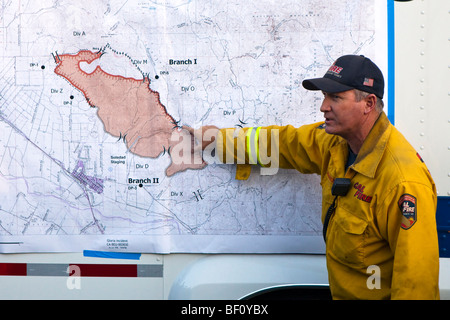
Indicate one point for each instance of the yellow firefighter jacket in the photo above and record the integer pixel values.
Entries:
(381, 240)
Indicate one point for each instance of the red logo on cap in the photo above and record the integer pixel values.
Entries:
(335, 69)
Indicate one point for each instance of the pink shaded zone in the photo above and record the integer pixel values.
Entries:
(126, 106)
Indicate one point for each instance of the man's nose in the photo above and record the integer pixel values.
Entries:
(325, 105)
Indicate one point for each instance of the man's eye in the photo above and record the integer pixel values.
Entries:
(332, 96)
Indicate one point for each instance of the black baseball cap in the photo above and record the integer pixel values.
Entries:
(350, 72)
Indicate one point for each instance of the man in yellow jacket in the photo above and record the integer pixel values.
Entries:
(378, 197)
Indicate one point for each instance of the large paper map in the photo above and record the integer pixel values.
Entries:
(91, 93)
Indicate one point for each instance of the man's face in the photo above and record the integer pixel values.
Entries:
(343, 114)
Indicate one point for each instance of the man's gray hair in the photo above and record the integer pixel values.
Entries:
(359, 95)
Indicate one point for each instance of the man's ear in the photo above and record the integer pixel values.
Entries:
(370, 103)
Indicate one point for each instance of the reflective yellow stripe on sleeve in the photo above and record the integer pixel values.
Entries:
(252, 138)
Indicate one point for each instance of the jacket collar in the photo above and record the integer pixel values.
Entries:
(372, 150)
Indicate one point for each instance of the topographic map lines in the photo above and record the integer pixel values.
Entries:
(93, 95)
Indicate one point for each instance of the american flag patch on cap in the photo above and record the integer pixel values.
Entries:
(368, 82)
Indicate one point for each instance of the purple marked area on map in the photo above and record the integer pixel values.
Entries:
(94, 183)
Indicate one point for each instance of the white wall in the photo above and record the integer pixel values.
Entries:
(422, 82)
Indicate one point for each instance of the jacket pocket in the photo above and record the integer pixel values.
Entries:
(346, 238)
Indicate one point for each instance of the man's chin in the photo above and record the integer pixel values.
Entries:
(329, 129)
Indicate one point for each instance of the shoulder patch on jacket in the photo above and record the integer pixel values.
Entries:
(407, 204)
(322, 126)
